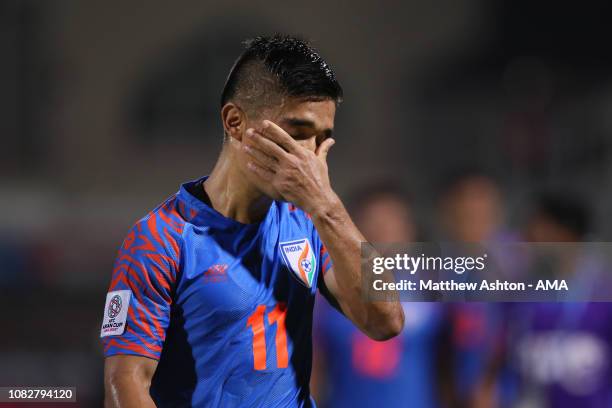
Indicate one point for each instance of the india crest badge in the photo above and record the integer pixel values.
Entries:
(299, 256)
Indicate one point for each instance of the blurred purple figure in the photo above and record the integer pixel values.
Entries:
(562, 352)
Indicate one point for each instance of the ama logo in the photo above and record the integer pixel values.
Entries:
(299, 257)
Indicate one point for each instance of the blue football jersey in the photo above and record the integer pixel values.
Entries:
(361, 372)
(225, 307)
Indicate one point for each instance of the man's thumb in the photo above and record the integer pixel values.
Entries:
(324, 147)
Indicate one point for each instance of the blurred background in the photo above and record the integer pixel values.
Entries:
(493, 118)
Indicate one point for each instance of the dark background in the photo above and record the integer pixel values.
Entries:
(108, 106)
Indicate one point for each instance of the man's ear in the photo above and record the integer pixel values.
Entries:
(234, 120)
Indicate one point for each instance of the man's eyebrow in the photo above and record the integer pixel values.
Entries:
(297, 122)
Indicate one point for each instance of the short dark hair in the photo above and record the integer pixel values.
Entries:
(456, 177)
(566, 210)
(278, 66)
(370, 193)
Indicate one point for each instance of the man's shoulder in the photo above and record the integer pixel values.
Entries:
(160, 230)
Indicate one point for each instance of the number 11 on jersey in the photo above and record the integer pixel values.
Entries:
(257, 324)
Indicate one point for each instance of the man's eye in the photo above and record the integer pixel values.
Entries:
(299, 136)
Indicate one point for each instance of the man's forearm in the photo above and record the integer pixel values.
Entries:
(127, 394)
(127, 390)
(379, 320)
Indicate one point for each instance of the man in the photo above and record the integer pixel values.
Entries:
(351, 370)
(561, 352)
(471, 210)
(212, 294)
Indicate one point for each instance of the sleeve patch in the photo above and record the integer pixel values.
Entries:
(115, 313)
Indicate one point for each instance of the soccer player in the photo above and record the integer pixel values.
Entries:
(561, 352)
(211, 298)
(351, 370)
(471, 210)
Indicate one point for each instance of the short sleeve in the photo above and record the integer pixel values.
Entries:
(138, 302)
(324, 260)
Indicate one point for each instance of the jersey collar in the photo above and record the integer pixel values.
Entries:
(199, 213)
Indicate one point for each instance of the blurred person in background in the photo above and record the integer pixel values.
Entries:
(471, 207)
(561, 352)
(471, 210)
(351, 370)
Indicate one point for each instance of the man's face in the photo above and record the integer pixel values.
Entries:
(307, 122)
(472, 210)
(386, 219)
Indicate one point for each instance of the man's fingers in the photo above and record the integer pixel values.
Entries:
(275, 133)
(324, 147)
(260, 171)
(266, 145)
(260, 157)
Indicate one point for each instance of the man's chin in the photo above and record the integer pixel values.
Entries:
(273, 196)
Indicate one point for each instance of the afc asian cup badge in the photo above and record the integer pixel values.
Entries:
(114, 307)
(299, 256)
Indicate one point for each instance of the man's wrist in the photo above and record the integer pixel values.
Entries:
(327, 209)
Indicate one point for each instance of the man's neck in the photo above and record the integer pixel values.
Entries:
(232, 195)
